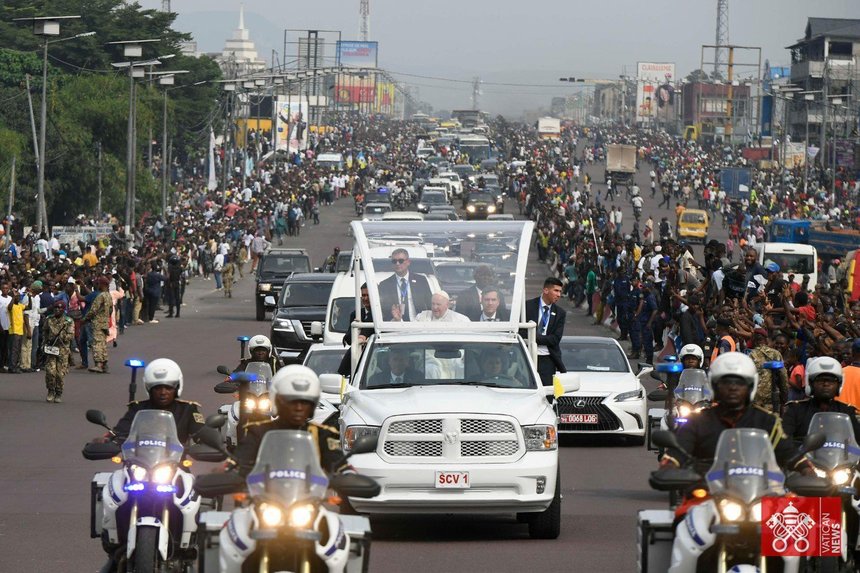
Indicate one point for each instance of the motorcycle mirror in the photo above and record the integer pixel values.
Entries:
(808, 486)
(657, 395)
(216, 420)
(218, 484)
(226, 387)
(223, 370)
(354, 485)
(203, 453)
(665, 439)
(98, 418)
(105, 451)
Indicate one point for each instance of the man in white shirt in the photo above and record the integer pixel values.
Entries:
(439, 311)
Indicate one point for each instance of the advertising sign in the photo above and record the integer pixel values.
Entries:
(292, 125)
(357, 54)
(353, 89)
(655, 94)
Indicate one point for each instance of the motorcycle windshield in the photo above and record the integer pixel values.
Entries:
(263, 372)
(693, 387)
(152, 439)
(745, 467)
(287, 468)
(840, 447)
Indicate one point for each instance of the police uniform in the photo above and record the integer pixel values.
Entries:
(798, 414)
(326, 438)
(189, 419)
(699, 436)
(622, 291)
(58, 333)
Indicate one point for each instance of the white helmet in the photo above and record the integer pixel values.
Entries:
(693, 349)
(819, 366)
(163, 372)
(735, 364)
(295, 382)
(258, 341)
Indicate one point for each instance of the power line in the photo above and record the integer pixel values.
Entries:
(471, 82)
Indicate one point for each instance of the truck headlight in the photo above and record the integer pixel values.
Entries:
(264, 287)
(632, 395)
(271, 515)
(470, 208)
(283, 324)
(353, 433)
(491, 208)
(540, 438)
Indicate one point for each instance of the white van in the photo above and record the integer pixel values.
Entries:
(792, 258)
(330, 160)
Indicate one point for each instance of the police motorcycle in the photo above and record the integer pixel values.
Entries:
(251, 390)
(724, 530)
(837, 462)
(691, 395)
(289, 522)
(145, 513)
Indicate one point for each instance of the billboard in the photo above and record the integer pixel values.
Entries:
(655, 93)
(292, 125)
(351, 89)
(357, 54)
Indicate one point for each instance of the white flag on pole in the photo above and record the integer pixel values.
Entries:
(213, 182)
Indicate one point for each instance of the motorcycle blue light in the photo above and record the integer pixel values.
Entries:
(134, 487)
(680, 420)
(670, 367)
(166, 489)
(670, 358)
(243, 377)
(774, 364)
(135, 363)
(243, 338)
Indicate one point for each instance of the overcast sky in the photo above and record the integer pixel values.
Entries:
(529, 42)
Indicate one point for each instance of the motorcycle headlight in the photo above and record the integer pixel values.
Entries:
(684, 410)
(840, 476)
(264, 404)
(138, 473)
(250, 405)
(491, 208)
(265, 287)
(301, 516)
(731, 510)
(540, 438)
(284, 324)
(755, 512)
(162, 474)
(820, 473)
(470, 208)
(353, 433)
(271, 515)
(632, 395)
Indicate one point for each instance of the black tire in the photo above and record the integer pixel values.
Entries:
(146, 551)
(547, 524)
(261, 310)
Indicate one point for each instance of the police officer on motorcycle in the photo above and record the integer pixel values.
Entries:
(162, 379)
(691, 356)
(297, 393)
(823, 384)
(734, 378)
(260, 350)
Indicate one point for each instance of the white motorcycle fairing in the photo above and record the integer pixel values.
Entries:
(235, 540)
(335, 551)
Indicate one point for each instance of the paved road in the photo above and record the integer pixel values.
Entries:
(44, 483)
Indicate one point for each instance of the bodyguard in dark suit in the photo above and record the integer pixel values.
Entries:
(412, 290)
(549, 318)
(469, 300)
(399, 371)
(345, 368)
(490, 308)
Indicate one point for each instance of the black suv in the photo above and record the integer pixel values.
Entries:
(274, 267)
(303, 301)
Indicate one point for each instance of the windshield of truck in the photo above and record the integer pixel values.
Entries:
(501, 365)
(795, 263)
(744, 467)
(287, 468)
(305, 294)
(152, 439)
(840, 448)
(280, 264)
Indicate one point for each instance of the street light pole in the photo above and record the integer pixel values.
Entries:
(43, 115)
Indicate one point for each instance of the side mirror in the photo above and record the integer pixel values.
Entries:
(216, 420)
(809, 486)
(569, 382)
(364, 445)
(101, 451)
(644, 369)
(269, 301)
(215, 485)
(657, 395)
(98, 418)
(673, 479)
(316, 329)
(813, 441)
(354, 485)
(223, 370)
(226, 387)
(331, 383)
(203, 453)
(210, 437)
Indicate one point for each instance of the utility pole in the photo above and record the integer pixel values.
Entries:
(99, 204)
(476, 93)
(12, 187)
(722, 36)
(364, 20)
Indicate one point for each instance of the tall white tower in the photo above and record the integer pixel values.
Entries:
(364, 20)
(722, 38)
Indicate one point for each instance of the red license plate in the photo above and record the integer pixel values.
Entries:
(579, 419)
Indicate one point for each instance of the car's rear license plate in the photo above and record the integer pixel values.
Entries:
(579, 419)
(452, 480)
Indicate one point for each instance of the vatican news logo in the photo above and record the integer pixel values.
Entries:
(801, 527)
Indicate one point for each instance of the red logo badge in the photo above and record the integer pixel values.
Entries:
(801, 526)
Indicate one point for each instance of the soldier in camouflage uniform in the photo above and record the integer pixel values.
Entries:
(761, 353)
(227, 274)
(59, 330)
(99, 314)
